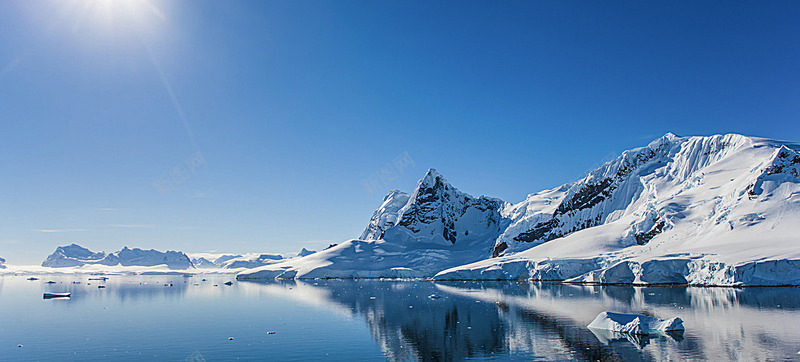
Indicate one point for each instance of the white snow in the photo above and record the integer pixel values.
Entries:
(251, 261)
(718, 210)
(715, 210)
(305, 252)
(635, 323)
(75, 256)
(239, 261)
(438, 226)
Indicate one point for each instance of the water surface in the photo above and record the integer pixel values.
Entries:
(185, 318)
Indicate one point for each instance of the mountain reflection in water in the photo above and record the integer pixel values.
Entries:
(468, 320)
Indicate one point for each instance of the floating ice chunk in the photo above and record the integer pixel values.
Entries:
(228, 283)
(56, 295)
(635, 323)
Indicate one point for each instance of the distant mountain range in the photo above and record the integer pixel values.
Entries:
(76, 256)
(720, 210)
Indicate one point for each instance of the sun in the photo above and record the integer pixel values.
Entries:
(140, 16)
(134, 8)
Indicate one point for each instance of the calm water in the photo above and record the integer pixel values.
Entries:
(140, 318)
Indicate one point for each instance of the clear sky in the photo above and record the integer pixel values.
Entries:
(252, 126)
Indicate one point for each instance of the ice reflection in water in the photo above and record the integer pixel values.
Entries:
(529, 320)
(139, 318)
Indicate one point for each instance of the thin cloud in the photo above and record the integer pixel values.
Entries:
(133, 226)
(60, 230)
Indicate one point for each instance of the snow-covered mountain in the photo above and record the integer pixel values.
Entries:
(720, 210)
(235, 261)
(386, 215)
(305, 252)
(75, 255)
(203, 263)
(2, 263)
(409, 235)
(250, 261)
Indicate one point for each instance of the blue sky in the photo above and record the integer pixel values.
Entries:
(251, 126)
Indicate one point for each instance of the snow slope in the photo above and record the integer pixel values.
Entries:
(413, 235)
(717, 210)
(75, 256)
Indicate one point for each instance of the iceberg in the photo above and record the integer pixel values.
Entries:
(76, 256)
(635, 323)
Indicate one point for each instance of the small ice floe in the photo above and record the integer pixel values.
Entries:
(271, 332)
(434, 296)
(56, 295)
(372, 298)
(635, 323)
(33, 278)
(230, 338)
(20, 346)
(228, 283)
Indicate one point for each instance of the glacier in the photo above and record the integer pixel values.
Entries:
(701, 210)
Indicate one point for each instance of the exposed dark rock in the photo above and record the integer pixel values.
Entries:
(539, 231)
(588, 196)
(643, 238)
(499, 248)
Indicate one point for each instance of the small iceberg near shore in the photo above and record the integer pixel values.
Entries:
(56, 295)
(635, 323)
